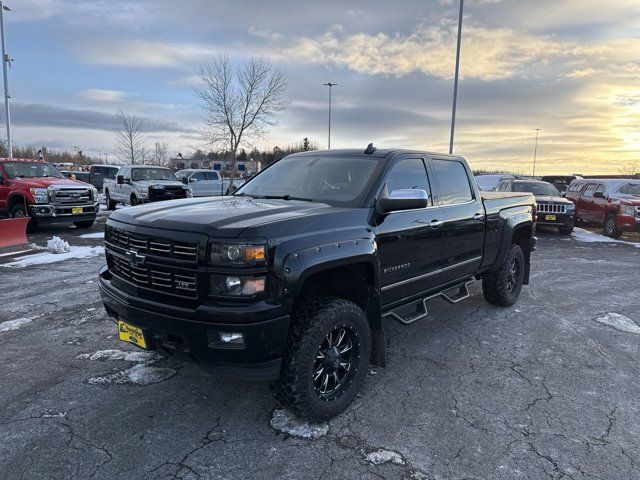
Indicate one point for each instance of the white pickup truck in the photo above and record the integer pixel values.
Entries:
(206, 183)
(137, 184)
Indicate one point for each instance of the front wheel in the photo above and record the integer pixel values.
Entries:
(502, 287)
(111, 204)
(326, 359)
(565, 230)
(610, 228)
(19, 211)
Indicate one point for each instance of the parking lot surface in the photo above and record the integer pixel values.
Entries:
(548, 388)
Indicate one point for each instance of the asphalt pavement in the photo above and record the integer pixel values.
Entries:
(548, 388)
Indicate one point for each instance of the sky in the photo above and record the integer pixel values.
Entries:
(568, 67)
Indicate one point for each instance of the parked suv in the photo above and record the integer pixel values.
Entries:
(614, 204)
(36, 189)
(137, 184)
(288, 279)
(553, 210)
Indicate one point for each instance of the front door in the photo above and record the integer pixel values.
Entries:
(409, 242)
(464, 219)
(586, 203)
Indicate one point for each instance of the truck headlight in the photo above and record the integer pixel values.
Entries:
(571, 207)
(237, 254)
(236, 285)
(141, 191)
(40, 195)
(627, 210)
(189, 193)
(94, 194)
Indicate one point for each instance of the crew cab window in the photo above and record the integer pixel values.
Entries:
(601, 188)
(211, 176)
(453, 182)
(408, 174)
(575, 187)
(630, 189)
(199, 176)
(589, 191)
(126, 173)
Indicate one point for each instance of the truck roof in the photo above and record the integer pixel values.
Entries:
(381, 153)
(21, 160)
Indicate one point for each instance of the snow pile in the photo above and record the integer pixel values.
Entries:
(93, 235)
(619, 322)
(47, 257)
(287, 422)
(58, 245)
(16, 324)
(140, 374)
(115, 354)
(381, 456)
(583, 235)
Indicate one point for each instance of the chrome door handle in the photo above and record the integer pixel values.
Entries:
(436, 223)
(478, 216)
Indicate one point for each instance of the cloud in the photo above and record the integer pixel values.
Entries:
(108, 96)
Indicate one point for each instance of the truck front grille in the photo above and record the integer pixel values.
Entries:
(552, 208)
(156, 278)
(169, 192)
(152, 245)
(72, 196)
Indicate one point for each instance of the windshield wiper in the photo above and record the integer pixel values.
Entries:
(283, 197)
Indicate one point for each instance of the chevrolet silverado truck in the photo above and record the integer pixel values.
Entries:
(135, 184)
(288, 280)
(553, 209)
(35, 189)
(613, 204)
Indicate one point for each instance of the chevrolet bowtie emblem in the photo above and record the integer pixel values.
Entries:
(136, 258)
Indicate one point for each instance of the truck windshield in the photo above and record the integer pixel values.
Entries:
(537, 188)
(138, 174)
(30, 170)
(630, 189)
(318, 178)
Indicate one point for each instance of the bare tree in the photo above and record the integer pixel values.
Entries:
(130, 138)
(239, 106)
(632, 167)
(160, 154)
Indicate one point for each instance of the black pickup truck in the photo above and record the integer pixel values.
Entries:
(288, 280)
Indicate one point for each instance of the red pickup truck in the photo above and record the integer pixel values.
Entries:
(36, 189)
(614, 204)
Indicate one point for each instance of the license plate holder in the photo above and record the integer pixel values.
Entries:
(77, 210)
(132, 334)
(551, 218)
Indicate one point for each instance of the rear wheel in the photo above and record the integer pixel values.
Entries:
(610, 228)
(565, 230)
(326, 359)
(19, 211)
(503, 286)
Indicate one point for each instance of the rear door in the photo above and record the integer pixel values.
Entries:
(464, 218)
(586, 203)
(410, 241)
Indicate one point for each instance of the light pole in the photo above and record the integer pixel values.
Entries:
(330, 85)
(455, 80)
(105, 159)
(5, 61)
(535, 152)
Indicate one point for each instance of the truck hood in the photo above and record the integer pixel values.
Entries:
(44, 182)
(551, 199)
(164, 183)
(228, 217)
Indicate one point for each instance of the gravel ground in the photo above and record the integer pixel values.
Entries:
(547, 388)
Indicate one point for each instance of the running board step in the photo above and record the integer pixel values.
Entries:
(405, 315)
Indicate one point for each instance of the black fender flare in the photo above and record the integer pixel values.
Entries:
(512, 223)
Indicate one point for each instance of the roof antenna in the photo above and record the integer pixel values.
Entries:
(370, 149)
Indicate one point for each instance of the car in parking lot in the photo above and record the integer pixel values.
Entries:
(203, 182)
(613, 204)
(490, 182)
(561, 182)
(288, 279)
(553, 209)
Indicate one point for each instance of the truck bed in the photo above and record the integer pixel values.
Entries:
(495, 202)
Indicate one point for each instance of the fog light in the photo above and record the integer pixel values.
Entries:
(233, 283)
(233, 338)
(225, 339)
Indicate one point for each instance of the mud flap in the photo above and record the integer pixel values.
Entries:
(378, 342)
(13, 232)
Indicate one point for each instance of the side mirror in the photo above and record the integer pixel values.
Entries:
(184, 180)
(119, 179)
(598, 195)
(403, 199)
(193, 180)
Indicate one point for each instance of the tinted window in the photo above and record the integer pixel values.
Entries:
(152, 174)
(575, 186)
(600, 188)
(199, 176)
(453, 182)
(630, 189)
(30, 170)
(589, 190)
(408, 174)
(211, 176)
(537, 188)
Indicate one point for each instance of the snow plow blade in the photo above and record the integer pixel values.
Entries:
(13, 232)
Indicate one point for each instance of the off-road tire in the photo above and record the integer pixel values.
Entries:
(565, 230)
(85, 223)
(19, 211)
(314, 319)
(111, 204)
(497, 287)
(610, 229)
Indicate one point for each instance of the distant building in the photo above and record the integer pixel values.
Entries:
(179, 163)
(244, 168)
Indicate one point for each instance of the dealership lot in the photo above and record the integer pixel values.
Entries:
(547, 388)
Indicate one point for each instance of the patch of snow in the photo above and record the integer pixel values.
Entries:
(619, 322)
(93, 235)
(58, 245)
(287, 422)
(47, 257)
(16, 324)
(115, 354)
(381, 456)
(50, 414)
(583, 235)
(140, 374)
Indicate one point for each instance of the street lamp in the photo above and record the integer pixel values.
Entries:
(455, 80)
(535, 152)
(5, 61)
(330, 85)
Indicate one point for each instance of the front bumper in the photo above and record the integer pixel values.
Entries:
(51, 213)
(627, 223)
(192, 334)
(561, 219)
